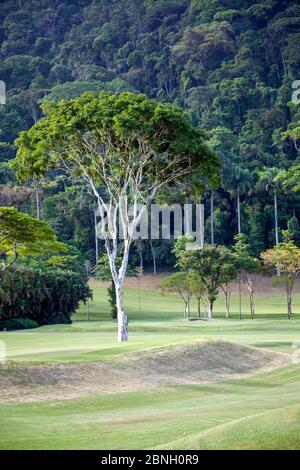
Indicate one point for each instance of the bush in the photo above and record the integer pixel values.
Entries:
(47, 297)
(18, 324)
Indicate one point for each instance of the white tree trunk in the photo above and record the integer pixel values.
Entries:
(227, 301)
(189, 308)
(122, 317)
(112, 252)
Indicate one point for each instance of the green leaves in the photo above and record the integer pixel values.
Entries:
(285, 258)
(21, 234)
(177, 283)
(102, 135)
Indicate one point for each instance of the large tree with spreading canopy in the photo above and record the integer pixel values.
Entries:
(127, 146)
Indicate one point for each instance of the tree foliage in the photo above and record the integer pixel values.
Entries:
(285, 259)
(47, 297)
(21, 234)
(229, 65)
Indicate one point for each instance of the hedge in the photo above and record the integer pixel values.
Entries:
(18, 324)
(47, 297)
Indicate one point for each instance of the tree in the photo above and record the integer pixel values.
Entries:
(178, 283)
(247, 268)
(48, 296)
(229, 272)
(69, 209)
(293, 133)
(197, 54)
(20, 234)
(257, 223)
(206, 43)
(133, 146)
(268, 179)
(290, 179)
(224, 143)
(294, 229)
(241, 181)
(198, 289)
(206, 263)
(285, 258)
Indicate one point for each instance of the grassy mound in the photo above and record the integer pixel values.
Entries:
(192, 363)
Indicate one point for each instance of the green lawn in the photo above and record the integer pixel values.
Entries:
(156, 307)
(258, 411)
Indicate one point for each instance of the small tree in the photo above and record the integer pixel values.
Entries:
(286, 259)
(21, 234)
(198, 290)
(183, 261)
(269, 179)
(178, 283)
(247, 268)
(206, 263)
(229, 272)
(215, 267)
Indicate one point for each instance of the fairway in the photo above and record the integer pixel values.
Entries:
(251, 402)
(149, 229)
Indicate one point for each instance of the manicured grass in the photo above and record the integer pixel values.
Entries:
(156, 307)
(94, 341)
(160, 323)
(259, 411)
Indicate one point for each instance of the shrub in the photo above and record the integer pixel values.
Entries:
(18, 324)
(46, 297)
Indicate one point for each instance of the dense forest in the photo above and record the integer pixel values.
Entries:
(229, 64)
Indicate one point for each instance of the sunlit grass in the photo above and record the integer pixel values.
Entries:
(261, 411)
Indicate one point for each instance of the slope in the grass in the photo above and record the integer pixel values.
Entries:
(198, 362)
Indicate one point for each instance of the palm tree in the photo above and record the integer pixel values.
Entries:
(212, 217)
(239, 185)
(268, 180)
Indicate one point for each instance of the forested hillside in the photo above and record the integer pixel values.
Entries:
(229, 64)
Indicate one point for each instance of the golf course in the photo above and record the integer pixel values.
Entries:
(176, 384)
(149, 230)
